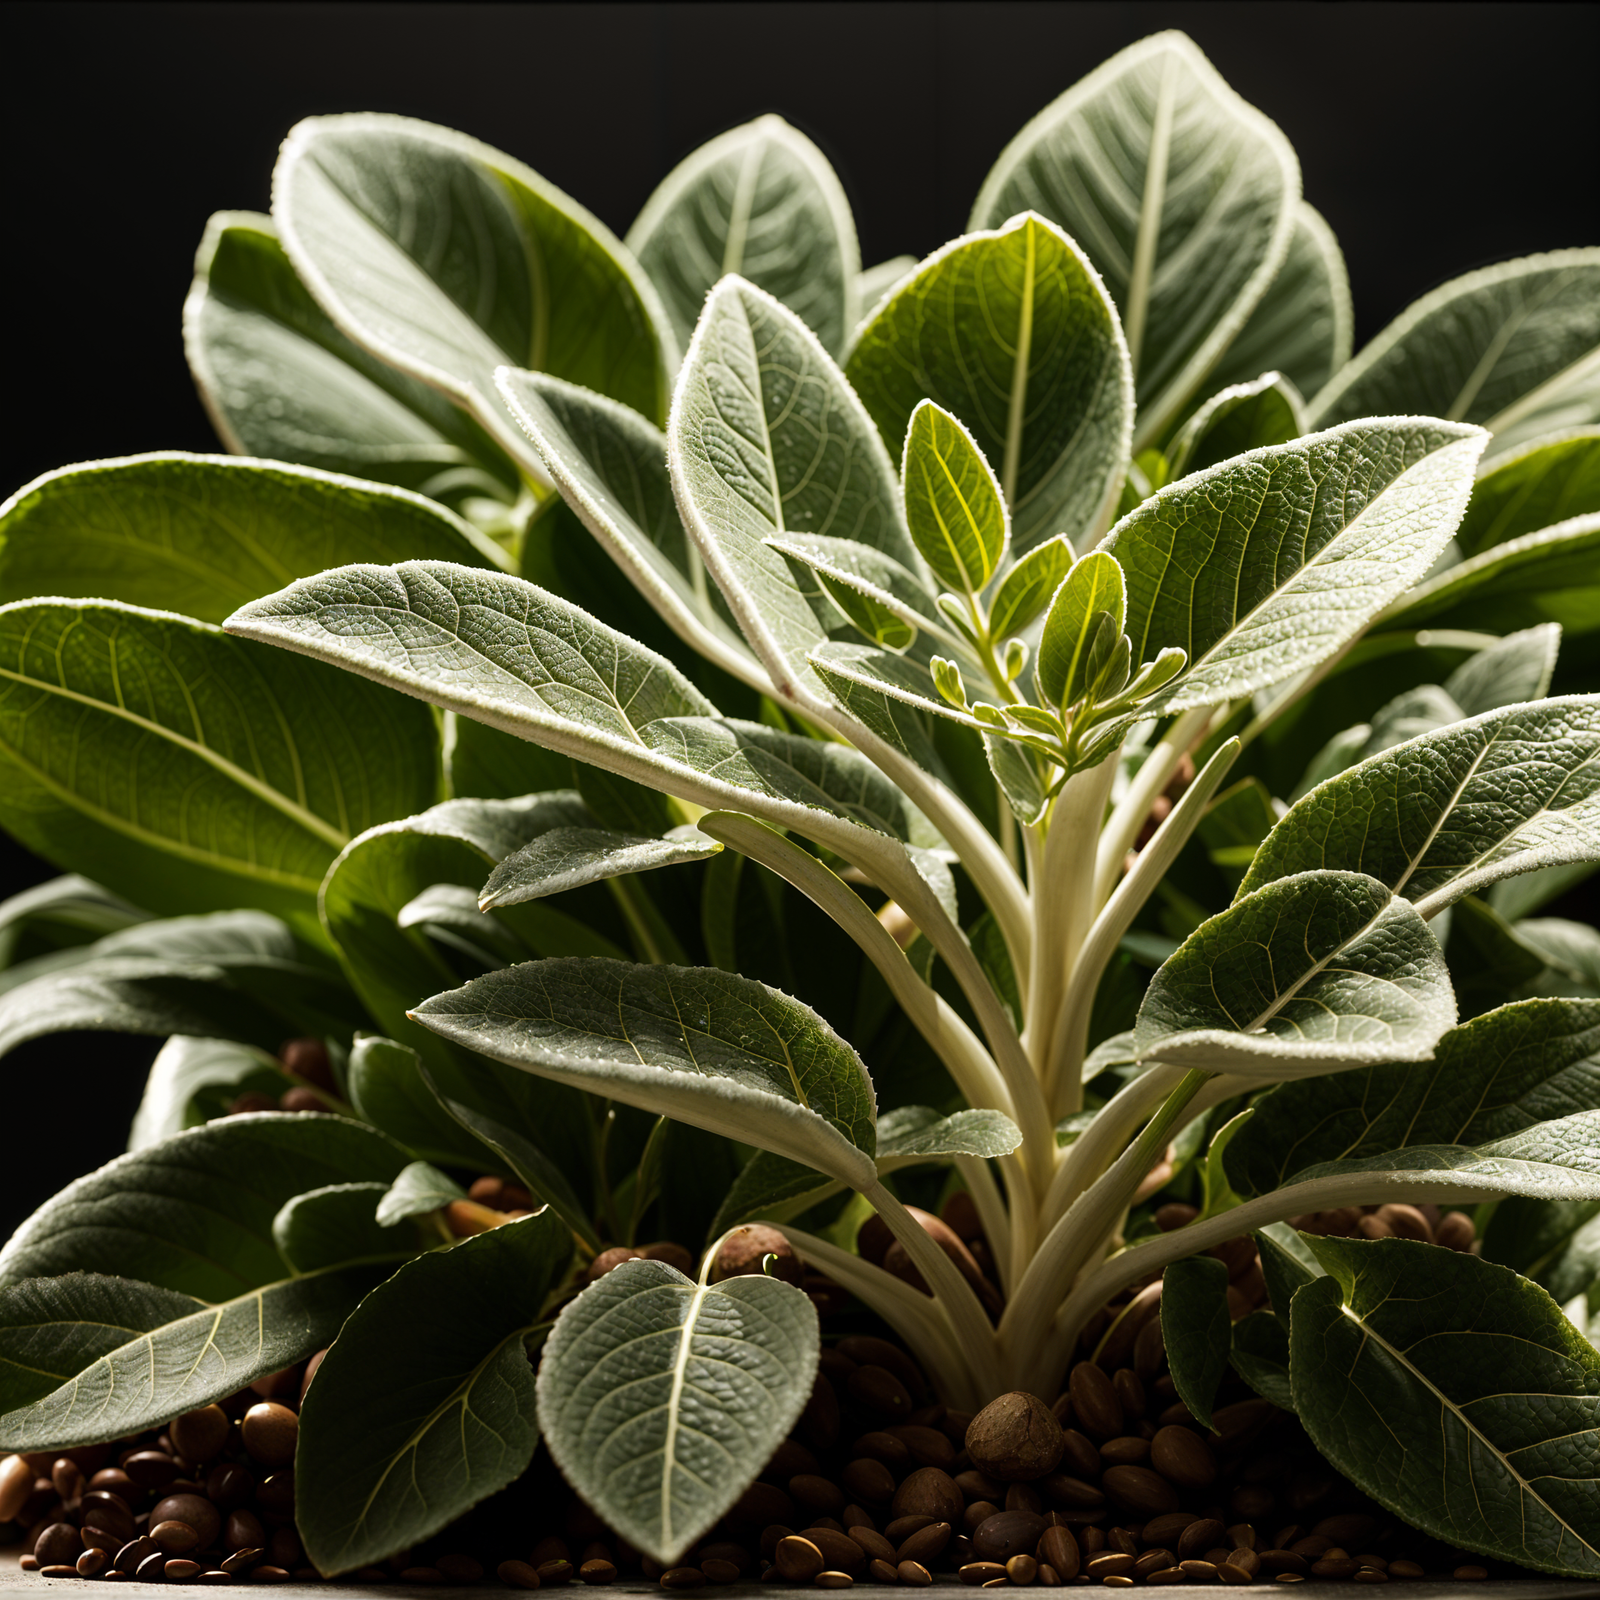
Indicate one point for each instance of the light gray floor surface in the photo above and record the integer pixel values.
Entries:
(18, 1585)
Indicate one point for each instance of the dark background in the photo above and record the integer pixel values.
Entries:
(1434, 138)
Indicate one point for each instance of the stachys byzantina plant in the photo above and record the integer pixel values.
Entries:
(1021, 721)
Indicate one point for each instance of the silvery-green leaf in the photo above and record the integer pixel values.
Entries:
(425, 1405)
(1183, 196)
(387, 1089)
(725, 1053)
(495, 648)
(204, 534)
(334, 1224)
(763, 202)
(1264, 566)
(1531, 489)
(767, 439)
(1570, 949)
(421, 1187)
(175, 1214)
(1315, 973)
(62, 913)
(280, 381)
(910, 1134)
(1409, 715)
(447, 259)
(771, 1188)
(954, 507)
(1027, 588)
(1342, 751)
(182, 1068)
(1011, 331)
(1456, 1394)
(1288, 1263)
(1242, 417)
(448, 914)
(850, 669)
(1020, 773)
(222, 774)
(1514, 671)
(1092, 589)
(102, 1355)
(564, 858)
(1196, 1329)
(1302, 325)
(1514, 347)
(610, 465)
(660, 1398)
(1453, 811)
(1540, 577)
(1493, 1076)
(875, 282)
(877, 592)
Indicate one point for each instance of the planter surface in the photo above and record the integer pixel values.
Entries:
(18, 1585)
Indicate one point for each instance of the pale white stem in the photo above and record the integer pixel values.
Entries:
(1316, 1194)
(917, 1319)
(1063, 898)
(991, 1209)
(970, 1323)
(1071, 1031)
(969, 1064)
(1156, 773)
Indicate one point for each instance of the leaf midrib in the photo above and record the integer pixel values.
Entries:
(1151, 205)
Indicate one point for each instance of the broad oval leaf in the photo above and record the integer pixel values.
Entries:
(1027, 588)
(1012, 332)
(222, 773)
(1529, 490)
(495, 648)
(387, 1089)
(1263, 566)
(725, 1053)
(185, 1067)
(420, 1188)
(610, 465)
(424, 1405)
(1197, 1329)
(911, 1134)
(885, 601)
(176, 1215)
(766, 438)
(280, 381)
(660, 1398)
(334, 1224)
(1183, 196)
(109, 1356)
(1512, 671)
(1065, 666)
(1302, 325)
(954, 507)
(203, 535)
(1548, 576)
(1494, 1076)
(1455, 810)
(1242, 417)
(1513, 347)
(447, 259)
(1456, 1394)
(760, 201)
(564, 858)
(1312, 974)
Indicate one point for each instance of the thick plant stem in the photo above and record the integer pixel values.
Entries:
(1071, 1032)
(970, 1323)
(1071, 1243)
(1063, 898)
(972, 1067)
(1128, 818)
(992, 1212)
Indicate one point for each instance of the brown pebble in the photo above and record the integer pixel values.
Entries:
(269, 1431)
(1455, 1231)
(59, 1545)
(1015, 1437)
(930, 1492)
(833, 1580)
(517, 1575)
(744, 1253)
(200, 1435)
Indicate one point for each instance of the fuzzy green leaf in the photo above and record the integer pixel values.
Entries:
(1065, 666)
(564, 858)
(1196, 1329)
(1244, 416)
(1028, 587)
(954, 507)
(420, 1188)
(1532, 489)
(183, 1068)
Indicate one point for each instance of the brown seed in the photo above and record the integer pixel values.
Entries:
(914, 1573)
(840, 1552)
(877, 1547)
(833, 1580)
(797, 1559)
(1122, 1539)
(16, 1485)
(1405, 1222)
(1110, 1564)
(1198, 1537)
(193, 1509)
(878, 1390)
(926, 1446)
(276, 1492)
(1006, 1534)
(871, 1351)
(132, 1553)
(91, 1562)
(1230, 1572)
(682, 1578)
(178, 1538)
(1335, 1567)
(1022, 1569)
(1313, 1547)
(58, 1570)
(555, 1569)
(66, 1476)
(243, 1531)
(1153, 1561)
(816, 1493)
(1140, 1491)
(668, 1250)
(269, 1432)
(715, 1571)
(1198, 1571)
(902, 1528)
(1165, 1530)
(229, 1486)
(59, 1545)
(883, 1447)
(869, 1480)
(1404, 1568)
(1371, 1575)
(1274, 1562)
(1024, 1497)
(517, 1575)
(1246, 1561)
(1455, 1231)
(979, 1511)
(929, 1492)
(1128, 1451)
(152, 1569)
(1079, 1455)
(199, 1435)
(1094, 1402)
(745, 1252)
(102, 1509)
(179, 1569)
(1351, 1529)
(285, 1550)
(28, 1563)
(1182, 1457)
(974, 1573)
(819, 1421)
(926, 1544)
(882, 1571)
(1059, 1549)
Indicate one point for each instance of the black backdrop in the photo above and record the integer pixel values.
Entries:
(1434, 137)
